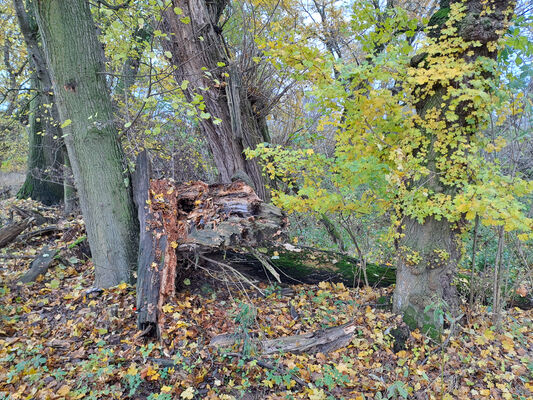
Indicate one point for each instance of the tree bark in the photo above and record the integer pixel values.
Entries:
(152, 247)
(74, 57)
(429, 251)
(214, 81)
(45, 156)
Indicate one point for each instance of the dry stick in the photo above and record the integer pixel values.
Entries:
(237, 273)
(472, 272)
(496, 288)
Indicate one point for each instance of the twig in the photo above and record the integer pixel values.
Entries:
(233, 270)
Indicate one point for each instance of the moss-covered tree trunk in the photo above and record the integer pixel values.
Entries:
(45, 157)
(44, 172)
(429, 250)
(74, 56)
(204, 68)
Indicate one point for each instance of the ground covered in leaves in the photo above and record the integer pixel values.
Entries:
(61, 338)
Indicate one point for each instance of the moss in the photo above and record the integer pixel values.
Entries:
(415, 319)
(316, 264)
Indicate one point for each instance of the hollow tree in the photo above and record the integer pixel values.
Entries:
(452, 81)
(74, 56)
(232, 118)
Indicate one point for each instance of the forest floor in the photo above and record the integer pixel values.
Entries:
(60, 338)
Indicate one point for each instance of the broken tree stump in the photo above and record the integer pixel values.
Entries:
(39, 265)
(221, 226)
(152, 247)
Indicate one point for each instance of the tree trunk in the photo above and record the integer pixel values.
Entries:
(235, 121)
(74, 57)
(45, 156)
(430, 250)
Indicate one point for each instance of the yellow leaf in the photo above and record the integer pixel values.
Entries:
(489, 334)
(485, 392)
(188, 393)
(122, 286)
(132, 370)
(173, 245)
(63, 390)
(168, 308)
(324, 285)
(166, 389)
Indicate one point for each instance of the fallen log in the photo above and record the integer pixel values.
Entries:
(39, 232)
(39, 219)
(297, 264)
(321, 341)
(39, 265)
(10, 232)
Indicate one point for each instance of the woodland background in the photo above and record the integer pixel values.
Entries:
(389, 148)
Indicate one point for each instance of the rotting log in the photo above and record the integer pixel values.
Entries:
(321, 341)
(11, 231)
(39, 265)
(151, 250)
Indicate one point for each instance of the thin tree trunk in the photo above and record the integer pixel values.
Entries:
(44, 171)
(230, 116)
(74, 57)
(473, 270)
(497, 281)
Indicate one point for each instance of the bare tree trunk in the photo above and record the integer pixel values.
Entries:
(473, 270)
(74, 57)
(230, 116)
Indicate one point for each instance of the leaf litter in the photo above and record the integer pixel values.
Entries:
(61, 338)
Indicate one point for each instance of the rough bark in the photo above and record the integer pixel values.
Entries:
(430, 250)
(45, 156)
(74, 57)
(197, 50)
(152, 247)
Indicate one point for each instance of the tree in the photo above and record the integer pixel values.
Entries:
(409, 143)
(451, 108)
(74, 57)
(231, 115)
(45, 156)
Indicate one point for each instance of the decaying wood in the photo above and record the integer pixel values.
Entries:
(321, 341)
(224, 227)
(39, 219)
(39, 265)
(10, 232)
(299, 264)
(151, 250)
(39, 232)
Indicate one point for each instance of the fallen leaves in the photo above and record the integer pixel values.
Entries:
(62, 338)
